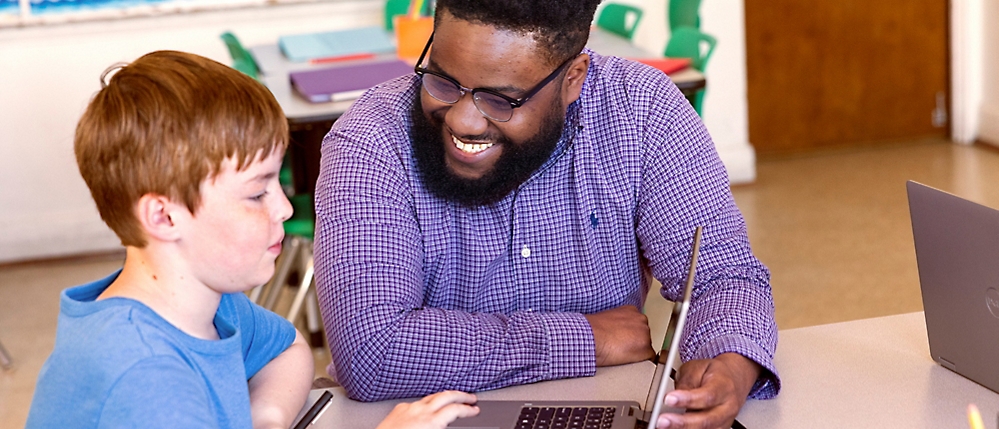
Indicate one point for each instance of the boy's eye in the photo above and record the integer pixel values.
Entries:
(259, 196)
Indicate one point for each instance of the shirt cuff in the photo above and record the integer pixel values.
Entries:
(768, 384)
(571, 349)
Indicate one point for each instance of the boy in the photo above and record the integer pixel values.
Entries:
(181, 155)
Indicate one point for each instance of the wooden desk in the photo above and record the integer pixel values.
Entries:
(873, 373)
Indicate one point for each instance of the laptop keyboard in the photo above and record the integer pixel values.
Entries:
(566, 418)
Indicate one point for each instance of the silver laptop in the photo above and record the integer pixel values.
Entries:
(957, 252)
(600, 414)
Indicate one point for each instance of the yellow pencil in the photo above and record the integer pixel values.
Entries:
(974, 417)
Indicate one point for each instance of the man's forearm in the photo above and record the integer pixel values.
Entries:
(279, 389)
(431, 350)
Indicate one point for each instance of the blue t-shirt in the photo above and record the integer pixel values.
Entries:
(117, 363)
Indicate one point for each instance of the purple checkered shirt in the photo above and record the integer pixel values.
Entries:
(421, 295)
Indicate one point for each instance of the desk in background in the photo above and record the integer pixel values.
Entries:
(309, 122)
(872, 373)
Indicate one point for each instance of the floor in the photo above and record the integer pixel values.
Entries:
(833, 227)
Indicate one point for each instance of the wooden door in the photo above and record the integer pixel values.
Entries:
(827, 73)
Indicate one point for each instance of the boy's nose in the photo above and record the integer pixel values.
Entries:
(284, 208)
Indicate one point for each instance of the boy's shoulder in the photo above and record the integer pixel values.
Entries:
(113, 351)
(109, 336)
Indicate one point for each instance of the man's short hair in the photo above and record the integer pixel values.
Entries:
(163, 125)
(561, 27)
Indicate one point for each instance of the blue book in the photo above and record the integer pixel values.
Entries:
(364, 40)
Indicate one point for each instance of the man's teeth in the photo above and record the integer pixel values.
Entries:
(470, 147)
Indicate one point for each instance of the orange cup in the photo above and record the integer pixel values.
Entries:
(411, 35)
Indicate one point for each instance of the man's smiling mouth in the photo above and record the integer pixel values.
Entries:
(470, 148)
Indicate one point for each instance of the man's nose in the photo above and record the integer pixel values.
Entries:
(464, 119)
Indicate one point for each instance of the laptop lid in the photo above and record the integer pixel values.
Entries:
(957, 251)
(674, 333)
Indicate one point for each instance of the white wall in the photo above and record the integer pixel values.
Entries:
(726, 111)
(989, 118)
(49, 74)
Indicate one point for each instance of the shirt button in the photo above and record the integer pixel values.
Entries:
(525, 252)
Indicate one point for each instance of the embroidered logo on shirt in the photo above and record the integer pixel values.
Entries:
(593, 220)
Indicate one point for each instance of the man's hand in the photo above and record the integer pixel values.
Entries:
(431, 412)
(712, 391)
(621, 336)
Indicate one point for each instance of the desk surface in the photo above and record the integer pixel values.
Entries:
(274, 69)
(866, 373)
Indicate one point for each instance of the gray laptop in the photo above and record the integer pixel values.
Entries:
(957, 252)
(596, 414)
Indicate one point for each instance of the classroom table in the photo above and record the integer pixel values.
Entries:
(871, 373)
(309, 122)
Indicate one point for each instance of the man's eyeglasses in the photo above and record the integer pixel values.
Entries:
(491, 104)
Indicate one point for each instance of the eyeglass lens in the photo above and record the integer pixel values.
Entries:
(447, 92)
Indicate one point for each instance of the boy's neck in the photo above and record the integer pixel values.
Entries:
(164, 284)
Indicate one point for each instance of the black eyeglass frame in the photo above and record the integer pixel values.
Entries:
(514, 102)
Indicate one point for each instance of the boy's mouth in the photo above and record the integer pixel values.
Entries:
(276, 247)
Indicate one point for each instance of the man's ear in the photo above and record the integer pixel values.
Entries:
(572, 86)
(158, 216)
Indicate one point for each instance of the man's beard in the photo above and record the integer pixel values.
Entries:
(515, 165)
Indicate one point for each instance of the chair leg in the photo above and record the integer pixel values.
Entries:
(280, 278)
(5, 361)
(306, 296)
(303, 291)
(283, 268)
(312, 319)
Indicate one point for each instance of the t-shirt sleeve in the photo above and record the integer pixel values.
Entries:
(157, 392)
(265, 335)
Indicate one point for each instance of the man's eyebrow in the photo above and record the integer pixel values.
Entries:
(510, 89)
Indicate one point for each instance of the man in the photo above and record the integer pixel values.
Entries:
(491, 220)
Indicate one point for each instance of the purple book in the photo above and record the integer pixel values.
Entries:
(345, 82)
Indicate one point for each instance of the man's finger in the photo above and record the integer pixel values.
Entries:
(691, 374)
(697, 419)
(713, 391)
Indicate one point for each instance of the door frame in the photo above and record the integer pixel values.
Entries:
(967, 48)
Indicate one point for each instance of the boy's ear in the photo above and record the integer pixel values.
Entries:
(157, 215)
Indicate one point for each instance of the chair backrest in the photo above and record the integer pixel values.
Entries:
(684, 13)
(393, 8)
(687, 42)
(242, 60)
(619, 19)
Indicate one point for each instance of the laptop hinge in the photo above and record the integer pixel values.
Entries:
(947, 364)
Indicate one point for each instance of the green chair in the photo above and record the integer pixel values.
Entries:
(688, 42)
(394, 8)
(619, 19)
(684, 13)
(242, 60)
